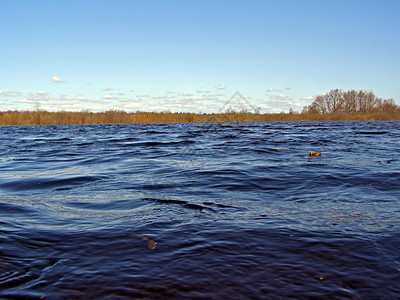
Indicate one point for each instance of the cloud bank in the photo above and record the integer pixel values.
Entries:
(198, 100)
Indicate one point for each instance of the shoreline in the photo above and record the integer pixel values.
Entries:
(42, 117)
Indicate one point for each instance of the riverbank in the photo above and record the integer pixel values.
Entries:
(42, 117)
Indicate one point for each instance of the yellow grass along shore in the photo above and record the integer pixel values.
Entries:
(42, 117)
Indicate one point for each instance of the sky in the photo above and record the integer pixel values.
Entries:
(194, 55)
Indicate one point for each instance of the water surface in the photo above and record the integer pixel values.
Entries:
(194, 211)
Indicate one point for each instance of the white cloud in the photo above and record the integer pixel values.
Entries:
(25, 101)
(294, 103)
(56, 79)
(93, 101)
(142, 95)
(57, 106)
(129, 100)
(160, 97)
(133, 105)
(193, 98)
(65, 97)
(307, 98)
(270, 90)
(9, 93)
(265, 106)
(280, 103)
(32, 101)
(202, 92)
(280, 97)
(35, 97)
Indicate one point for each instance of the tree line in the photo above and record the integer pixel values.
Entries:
(350, 102)
(335, 105)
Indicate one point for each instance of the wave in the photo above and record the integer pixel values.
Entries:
(27, 184)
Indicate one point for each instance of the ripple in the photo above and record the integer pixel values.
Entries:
(192, 211)
(27, 184)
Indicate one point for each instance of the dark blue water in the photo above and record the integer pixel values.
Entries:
(200, 211)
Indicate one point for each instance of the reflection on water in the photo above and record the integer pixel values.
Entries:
(230, 210)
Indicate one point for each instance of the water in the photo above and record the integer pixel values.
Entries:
(200, 211)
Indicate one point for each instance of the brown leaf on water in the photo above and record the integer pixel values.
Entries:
(150, 243)
(313, 153)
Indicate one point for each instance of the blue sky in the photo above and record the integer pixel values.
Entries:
(192, 55)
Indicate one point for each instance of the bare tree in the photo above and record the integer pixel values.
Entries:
(349, 102)
(349, 99)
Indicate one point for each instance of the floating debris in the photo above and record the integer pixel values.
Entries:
(150, 243)
(312, 153)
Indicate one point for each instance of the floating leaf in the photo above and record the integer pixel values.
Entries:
(312, 153)
(150, 243)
